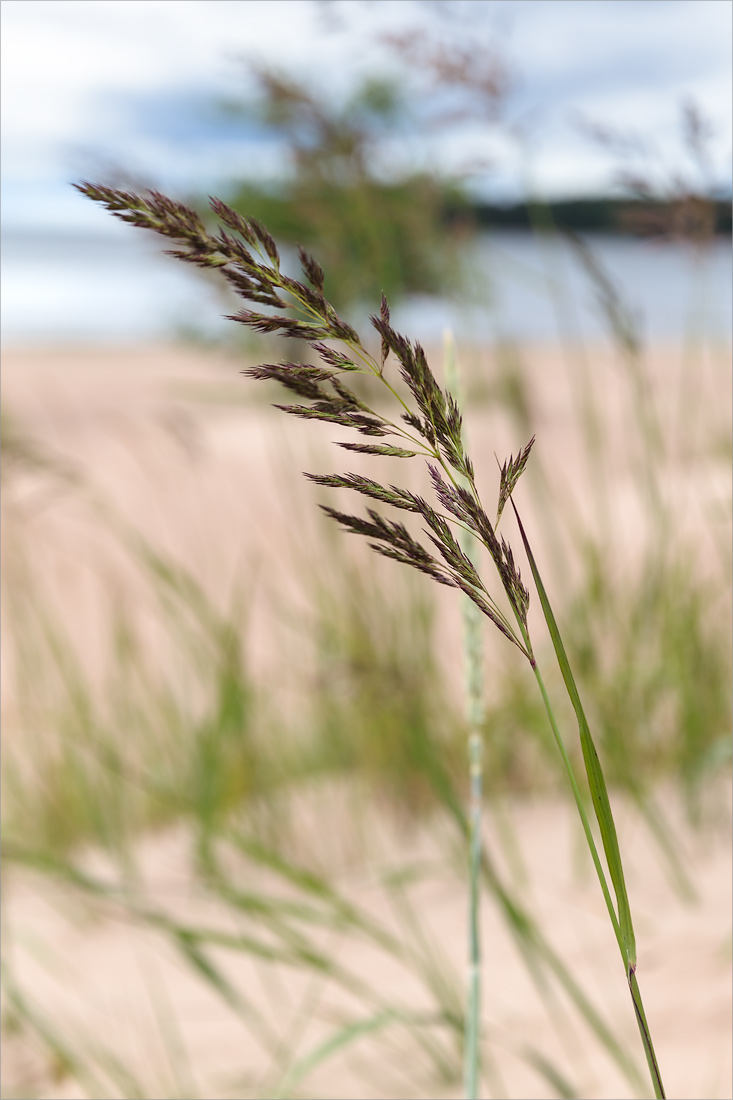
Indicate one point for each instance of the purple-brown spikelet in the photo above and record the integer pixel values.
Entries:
(247, 257)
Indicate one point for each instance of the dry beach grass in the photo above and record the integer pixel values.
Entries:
(172, 444)
(112, 983)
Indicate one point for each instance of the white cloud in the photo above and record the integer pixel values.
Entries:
(76, 73)
(61, 57)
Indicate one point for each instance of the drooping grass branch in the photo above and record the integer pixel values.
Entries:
(427, 423)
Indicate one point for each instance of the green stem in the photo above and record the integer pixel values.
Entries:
(474, 695)
(646, 1036)
(631, 972)
(581, 808)
(473, 1012)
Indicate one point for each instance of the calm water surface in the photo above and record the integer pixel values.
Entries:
(119, 288)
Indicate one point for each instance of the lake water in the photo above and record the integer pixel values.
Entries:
(118, 288)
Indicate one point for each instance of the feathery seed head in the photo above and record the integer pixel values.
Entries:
(312, 268)
(511, 471)
(248, 258)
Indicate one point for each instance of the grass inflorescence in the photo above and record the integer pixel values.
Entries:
(433, 428)
(427, 423)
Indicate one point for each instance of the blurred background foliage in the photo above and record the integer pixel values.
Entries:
(382, 221)
(374, 230)
(104, 761)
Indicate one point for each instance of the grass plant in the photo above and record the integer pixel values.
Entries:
(149, 751)
(428, 424)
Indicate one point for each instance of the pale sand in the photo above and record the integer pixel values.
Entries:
(178, 446)
(106, 982)
(212, 482)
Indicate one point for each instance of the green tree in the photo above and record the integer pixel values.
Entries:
(374, 228)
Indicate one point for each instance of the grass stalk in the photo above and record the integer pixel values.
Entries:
(474, 697)
(580, 804)
(431, 427)
(621, 921)
(473, 1013)
(630, 970)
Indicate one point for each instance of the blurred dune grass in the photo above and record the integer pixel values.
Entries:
(236, 740)
(173, 660)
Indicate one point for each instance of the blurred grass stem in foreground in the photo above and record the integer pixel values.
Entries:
(475, 716)
(248, 258)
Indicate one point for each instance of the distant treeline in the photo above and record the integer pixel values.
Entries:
(618, 216)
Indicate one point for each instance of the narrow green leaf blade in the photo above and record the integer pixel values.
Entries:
(335, 1042)
(596, 780)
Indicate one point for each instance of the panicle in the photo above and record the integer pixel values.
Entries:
(247, 256)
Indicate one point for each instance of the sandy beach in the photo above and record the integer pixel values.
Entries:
(104, 978)
(174, 444)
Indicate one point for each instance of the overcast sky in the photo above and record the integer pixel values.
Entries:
(89, 83)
